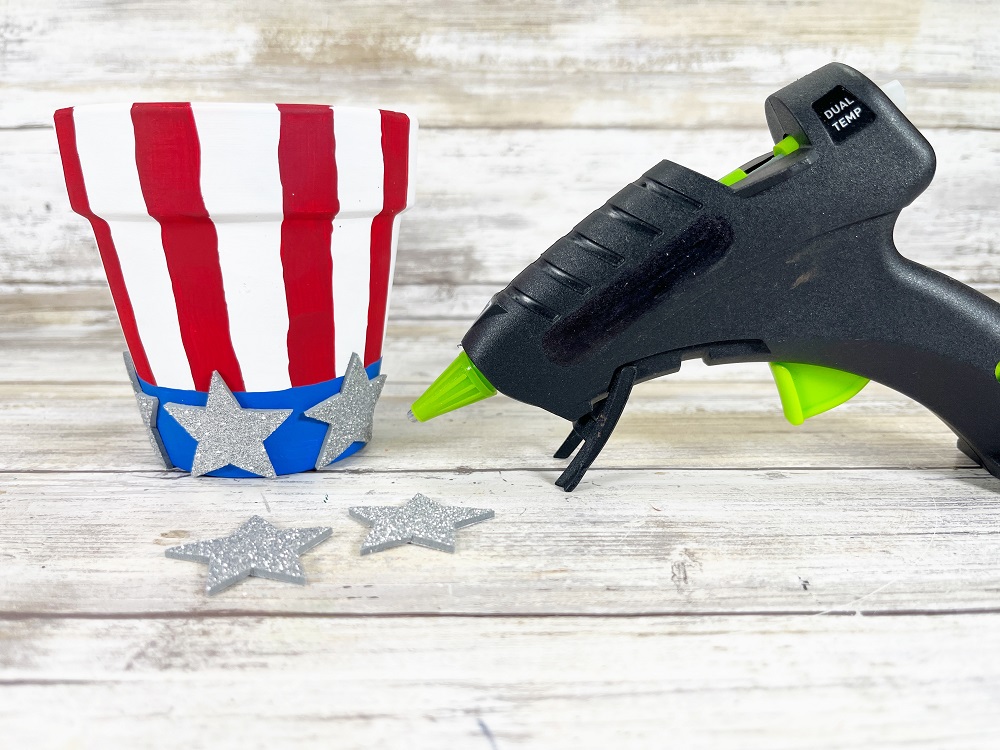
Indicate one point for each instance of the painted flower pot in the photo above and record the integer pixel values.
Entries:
(253, 240)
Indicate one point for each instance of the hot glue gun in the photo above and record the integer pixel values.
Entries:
(788, 259)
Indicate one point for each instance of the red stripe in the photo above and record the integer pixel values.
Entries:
(168, 155)
(309, 187)
(77, 189)
(395, 160)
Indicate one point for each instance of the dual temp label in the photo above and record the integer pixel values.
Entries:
(842, 113)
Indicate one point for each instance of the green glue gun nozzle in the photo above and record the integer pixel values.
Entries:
(459, 385)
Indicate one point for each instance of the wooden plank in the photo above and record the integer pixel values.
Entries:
(749, 683)
(63, 385)
(54, 335)
(668, 424)
(488, 202)
(635, 63)
(668, 594)
(66, 404)
(629, 542)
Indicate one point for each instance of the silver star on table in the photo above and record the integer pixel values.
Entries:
(147, 410)
(255, 549)
(349, 413)
(228, 434)
(420, 521)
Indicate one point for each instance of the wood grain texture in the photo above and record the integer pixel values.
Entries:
(631, 542)
(720, 580)
(740, 683)
(669, 424)
(64, 385)
(643, 63)
(489, 202)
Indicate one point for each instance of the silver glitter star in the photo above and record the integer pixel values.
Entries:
(349, 413)
(255, 549)
(228, 434)
(421, 521)
(147, 410)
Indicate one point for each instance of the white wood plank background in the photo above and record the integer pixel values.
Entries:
(720, 579)
(489, 201)
(636, 63)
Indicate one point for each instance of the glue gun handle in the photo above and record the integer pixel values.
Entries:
(921, 333)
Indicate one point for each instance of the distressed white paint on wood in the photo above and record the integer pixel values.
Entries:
(670, 424)
(64, 385)
(627, 542)
(693, 512)
(636, 63)
(489, 202)
(71, 333)
(746, 683)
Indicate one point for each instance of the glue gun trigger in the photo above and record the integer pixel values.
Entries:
(594, 429)
(575, 437)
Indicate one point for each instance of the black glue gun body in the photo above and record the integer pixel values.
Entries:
(789, 260)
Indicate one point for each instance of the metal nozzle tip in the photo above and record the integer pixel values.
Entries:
(409, 415)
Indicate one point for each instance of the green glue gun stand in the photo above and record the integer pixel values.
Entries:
(788, 259)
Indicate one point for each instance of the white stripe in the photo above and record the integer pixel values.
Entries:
(392, 271)
(411, 175)
(358, 137)
(105, 140)
(241, 187)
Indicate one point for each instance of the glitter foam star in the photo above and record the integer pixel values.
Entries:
(420, 521)
(147, 410)
(257, 548)
(350, 413)
(228, 434)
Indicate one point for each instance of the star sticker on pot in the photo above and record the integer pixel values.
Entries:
(228, 434)
(420, 521)
(349, 413)
(257, 548)
(147, 410)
